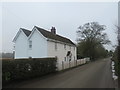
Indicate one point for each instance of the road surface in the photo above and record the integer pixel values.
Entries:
(93, 75)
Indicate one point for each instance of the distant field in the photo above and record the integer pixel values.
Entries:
(6, 59)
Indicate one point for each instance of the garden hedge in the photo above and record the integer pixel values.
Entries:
(26, 68)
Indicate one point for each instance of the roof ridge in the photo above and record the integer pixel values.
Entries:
(25, 29)
(42, 29)
(50, 35)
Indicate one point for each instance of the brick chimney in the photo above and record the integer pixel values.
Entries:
(53, 30)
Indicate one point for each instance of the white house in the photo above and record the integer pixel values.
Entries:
(40, 43)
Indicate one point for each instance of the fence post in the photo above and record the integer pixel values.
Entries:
(80, 61)
(56, 63)
(69, 64)
(62, 65)
(76, 62)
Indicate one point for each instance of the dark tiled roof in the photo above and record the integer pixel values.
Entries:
(50, 35)
(27, 32)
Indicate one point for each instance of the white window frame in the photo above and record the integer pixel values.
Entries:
(30, 44)
(65, 59)
(65, 46)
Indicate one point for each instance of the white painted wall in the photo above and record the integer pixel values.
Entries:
(21, 46)
(61, 52)
(39, 46)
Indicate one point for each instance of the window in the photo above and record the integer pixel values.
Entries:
(64, 46)
(55, 46)
(70, 47)
(74, 48)
(30, 44)
(65, 58)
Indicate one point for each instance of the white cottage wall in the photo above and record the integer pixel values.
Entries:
(21, 46)
(39, 45)
(60, 52)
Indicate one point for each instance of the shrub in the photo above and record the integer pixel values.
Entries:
(26, 68)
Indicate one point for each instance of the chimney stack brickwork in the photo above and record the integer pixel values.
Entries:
(53, 30)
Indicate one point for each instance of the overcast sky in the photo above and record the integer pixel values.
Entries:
(65, 16)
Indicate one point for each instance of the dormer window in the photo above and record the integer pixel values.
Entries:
(30, 44)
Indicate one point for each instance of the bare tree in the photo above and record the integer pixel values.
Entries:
(93, 31)
(92, 35)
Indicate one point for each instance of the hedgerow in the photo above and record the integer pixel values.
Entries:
(20, 69)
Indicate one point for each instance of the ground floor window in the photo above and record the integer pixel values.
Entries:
(65, 58)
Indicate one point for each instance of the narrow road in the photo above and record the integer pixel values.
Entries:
(93, 75)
